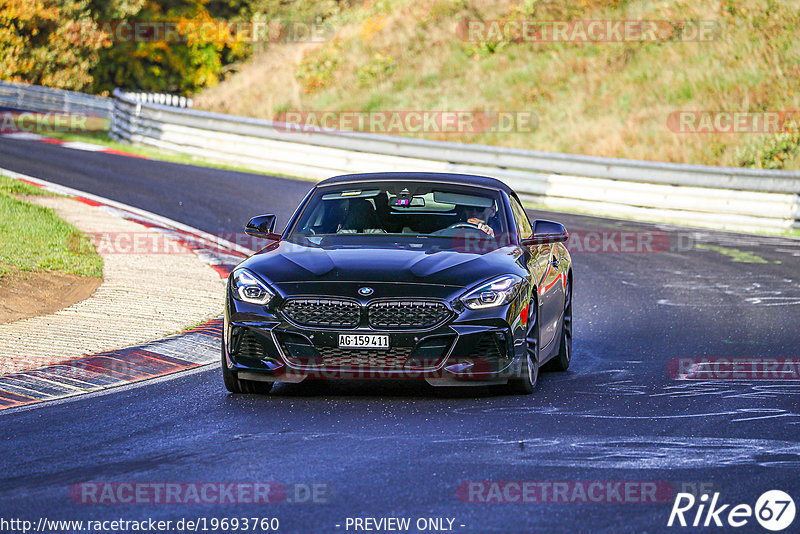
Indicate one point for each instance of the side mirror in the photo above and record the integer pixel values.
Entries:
(546, 232)
(262, 226)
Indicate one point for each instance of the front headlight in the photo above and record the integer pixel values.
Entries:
(497, 292)
(248, 288)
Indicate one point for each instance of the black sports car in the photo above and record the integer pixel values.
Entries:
(439, 277)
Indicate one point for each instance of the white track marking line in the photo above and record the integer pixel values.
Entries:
(78, 145)
(27, 136)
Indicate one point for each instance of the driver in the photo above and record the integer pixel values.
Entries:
(480, 217)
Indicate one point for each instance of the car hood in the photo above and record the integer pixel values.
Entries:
(288, 262)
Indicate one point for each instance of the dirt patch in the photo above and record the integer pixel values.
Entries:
(26, 294)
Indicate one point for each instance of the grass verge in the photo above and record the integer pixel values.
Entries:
(34, 239)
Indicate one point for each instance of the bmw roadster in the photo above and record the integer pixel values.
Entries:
(439, 277)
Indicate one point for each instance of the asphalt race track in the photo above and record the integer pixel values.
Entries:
(399, 449)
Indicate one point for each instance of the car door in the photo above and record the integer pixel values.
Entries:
(553, 287)
(546, 269)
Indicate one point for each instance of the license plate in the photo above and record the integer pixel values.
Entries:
(363, 341)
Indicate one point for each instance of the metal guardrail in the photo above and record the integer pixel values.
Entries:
(37, 98)
(165, 99)
(691, 194)
(725, 197)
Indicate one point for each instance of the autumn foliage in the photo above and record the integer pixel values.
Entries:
(37, 46)
(71, 44)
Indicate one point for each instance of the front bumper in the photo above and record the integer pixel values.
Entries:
(470, 348)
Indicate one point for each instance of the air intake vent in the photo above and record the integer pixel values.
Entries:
(409, 314)
(330, 313)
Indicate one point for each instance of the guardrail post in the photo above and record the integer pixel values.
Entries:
(796, 223)
(112, 129)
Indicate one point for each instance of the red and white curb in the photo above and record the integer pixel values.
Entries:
(199, 346)
(196, 347)
(76, 145)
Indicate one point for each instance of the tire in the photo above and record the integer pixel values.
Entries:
(236, 385)
(562, 360)
(525, 384)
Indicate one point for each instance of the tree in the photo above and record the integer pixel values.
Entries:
(182, 62)
(49, 42)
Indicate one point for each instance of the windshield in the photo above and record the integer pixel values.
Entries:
(386, 212)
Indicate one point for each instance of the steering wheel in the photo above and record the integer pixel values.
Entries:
(465, 225)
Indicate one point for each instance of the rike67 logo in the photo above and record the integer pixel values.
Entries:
(774, 510)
